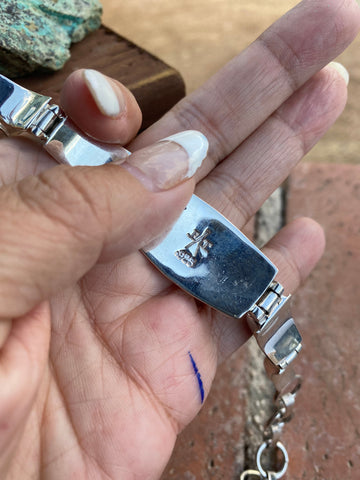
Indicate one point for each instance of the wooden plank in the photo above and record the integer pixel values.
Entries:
(156, 85)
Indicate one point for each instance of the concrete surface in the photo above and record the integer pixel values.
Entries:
(325, 434)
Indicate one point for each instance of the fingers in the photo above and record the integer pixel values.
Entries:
(295, 251)
(239, 98)
(101, 106)
(70, 217)
(240, 185)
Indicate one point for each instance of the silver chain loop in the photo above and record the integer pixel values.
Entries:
(265, 474)
(271, 434)
(279, 339)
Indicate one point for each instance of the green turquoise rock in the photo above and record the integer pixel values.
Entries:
(38, 34)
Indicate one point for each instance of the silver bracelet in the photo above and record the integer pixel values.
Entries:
(212, 260)
(204, 254)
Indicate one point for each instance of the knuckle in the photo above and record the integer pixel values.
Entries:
(233, 198)
(284, 54)
(290, 136)
(190, 114)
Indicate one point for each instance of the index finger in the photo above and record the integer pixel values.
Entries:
(101, 106)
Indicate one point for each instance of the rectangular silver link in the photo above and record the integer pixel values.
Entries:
(283, 345)
(219, 265)
(279, 338)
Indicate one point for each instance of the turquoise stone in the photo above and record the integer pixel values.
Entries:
(38, 34)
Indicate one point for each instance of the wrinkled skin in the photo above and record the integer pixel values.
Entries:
(95, 372)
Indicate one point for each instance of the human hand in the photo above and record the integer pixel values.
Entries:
(118, 385)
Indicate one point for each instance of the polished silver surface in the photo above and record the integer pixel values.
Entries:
(212, 260)
(19, 107)
(26, 113)
(67, 145)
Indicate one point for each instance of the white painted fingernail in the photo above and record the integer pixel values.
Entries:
(169, 161)
(110, 102)
(342, 70)
(195, 144)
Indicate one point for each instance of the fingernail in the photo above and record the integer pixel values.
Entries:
(342, 70)
(107, 96)
(169, 161)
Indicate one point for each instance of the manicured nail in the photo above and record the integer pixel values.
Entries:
(342, 70)
(169, 161)
(107, 96)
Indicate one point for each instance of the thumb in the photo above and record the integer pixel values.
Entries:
(56, 226)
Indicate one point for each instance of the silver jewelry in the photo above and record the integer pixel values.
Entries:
(29, 114)
(203, 254)
(212, 260)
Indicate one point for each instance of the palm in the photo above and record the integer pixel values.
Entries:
(119, 362)
(114, 370)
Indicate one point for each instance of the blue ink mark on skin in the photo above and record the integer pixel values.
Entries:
(198, 377)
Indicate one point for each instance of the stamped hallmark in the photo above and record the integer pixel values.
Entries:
(197, 249)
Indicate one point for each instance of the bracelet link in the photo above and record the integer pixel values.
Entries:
(274, 328)
(23, 112)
